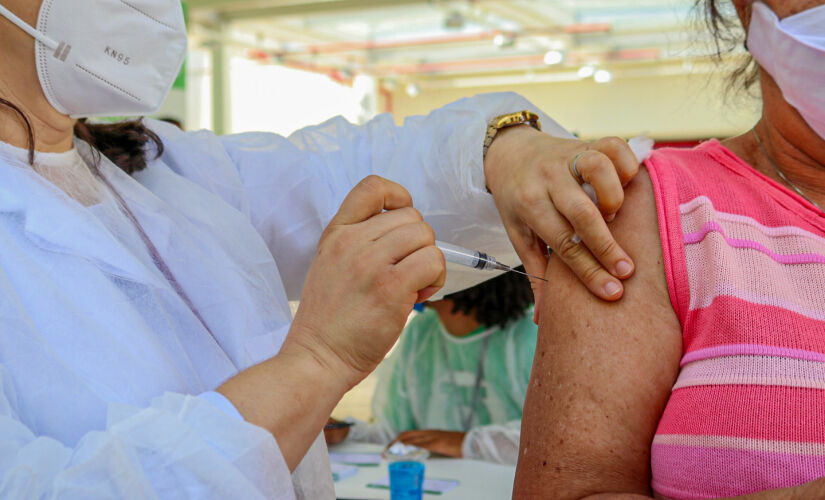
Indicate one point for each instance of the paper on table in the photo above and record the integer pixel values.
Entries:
(342, 471)
(431, 486)
(355, 458)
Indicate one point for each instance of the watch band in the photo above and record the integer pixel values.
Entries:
(509, 120)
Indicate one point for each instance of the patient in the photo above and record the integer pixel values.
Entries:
(708, 379)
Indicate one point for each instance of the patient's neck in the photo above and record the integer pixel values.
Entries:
(456, 323)
(789, 142)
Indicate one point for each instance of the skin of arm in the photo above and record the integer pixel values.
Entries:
(390, 402)
(603, 371)
(291, 412)
(602, 375)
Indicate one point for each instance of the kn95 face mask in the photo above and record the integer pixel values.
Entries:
(107, 57)
(792, 51)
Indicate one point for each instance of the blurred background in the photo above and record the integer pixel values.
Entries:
(599, 67)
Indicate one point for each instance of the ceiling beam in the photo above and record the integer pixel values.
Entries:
(246, 9)
(227, 4)
(526, 15)
(281, 32)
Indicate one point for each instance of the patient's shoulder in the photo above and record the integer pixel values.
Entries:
(636, 229)
(679, 175)
(708, 155)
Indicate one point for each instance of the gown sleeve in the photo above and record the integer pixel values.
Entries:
(497, 443)
(178, 447)
(292, 187)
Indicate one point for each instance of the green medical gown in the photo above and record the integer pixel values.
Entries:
(416, 389)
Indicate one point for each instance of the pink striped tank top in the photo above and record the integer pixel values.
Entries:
(745, 265)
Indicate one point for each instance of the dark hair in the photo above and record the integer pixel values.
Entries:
(26, 124)
(173, 121)
(727, 36)
(124, 143)
(497, 301)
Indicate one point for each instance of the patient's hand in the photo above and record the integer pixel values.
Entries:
(447, 443)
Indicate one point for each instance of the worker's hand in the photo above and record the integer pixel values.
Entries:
(541, 203)
(447, 443)
(375, 260)
(333, 434)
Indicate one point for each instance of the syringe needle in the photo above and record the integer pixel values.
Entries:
(510, 269)
(530, 275)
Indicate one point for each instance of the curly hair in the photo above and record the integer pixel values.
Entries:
(727, 35)
(495, 302)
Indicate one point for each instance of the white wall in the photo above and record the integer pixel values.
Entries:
(272, 98)
(667, 107)
(174, 106)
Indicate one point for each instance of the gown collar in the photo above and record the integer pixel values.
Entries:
(57, 223)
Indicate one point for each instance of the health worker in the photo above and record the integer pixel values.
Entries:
(455, 383)
(147, 346)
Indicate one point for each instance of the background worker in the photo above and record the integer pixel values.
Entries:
(456, 382)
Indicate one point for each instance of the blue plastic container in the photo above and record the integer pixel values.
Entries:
(406, 480)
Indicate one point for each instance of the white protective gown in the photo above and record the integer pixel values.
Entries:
(110, 345)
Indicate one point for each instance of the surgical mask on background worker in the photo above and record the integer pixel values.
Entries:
(792, 50)
(107, 57)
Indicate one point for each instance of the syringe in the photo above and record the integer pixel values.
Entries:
(476, 260)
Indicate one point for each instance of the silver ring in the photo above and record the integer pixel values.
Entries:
(575, 169)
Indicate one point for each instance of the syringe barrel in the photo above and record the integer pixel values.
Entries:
(461, 256)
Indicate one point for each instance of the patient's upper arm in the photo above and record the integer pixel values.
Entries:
(602, 372)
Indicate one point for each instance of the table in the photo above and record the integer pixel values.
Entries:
(478, 480)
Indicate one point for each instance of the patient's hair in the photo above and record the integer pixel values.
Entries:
(124, 143)
(497, 301)
(727, 35)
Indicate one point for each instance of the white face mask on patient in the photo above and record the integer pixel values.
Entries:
(792, 50)
(107, 57)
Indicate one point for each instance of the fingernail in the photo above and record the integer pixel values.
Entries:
(623, 268)
(612, 289)
(576, 239)
(610, 217)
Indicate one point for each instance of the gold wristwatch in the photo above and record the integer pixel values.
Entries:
(509, 120)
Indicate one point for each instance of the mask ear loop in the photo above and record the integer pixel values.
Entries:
(61, 49)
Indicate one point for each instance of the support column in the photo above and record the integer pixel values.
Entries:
(221, 88)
